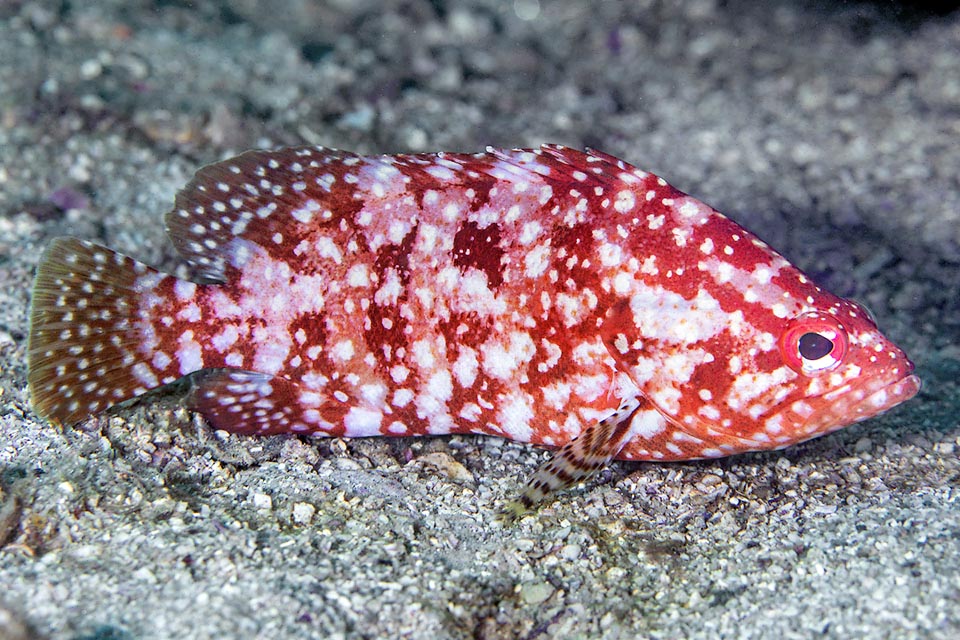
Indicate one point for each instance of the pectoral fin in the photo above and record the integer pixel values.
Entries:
(577, 460)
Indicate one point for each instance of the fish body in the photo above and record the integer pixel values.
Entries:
(552, 296)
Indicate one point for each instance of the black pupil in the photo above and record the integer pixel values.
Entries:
(814, 346)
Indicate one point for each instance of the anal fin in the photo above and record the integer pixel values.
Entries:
(252, 403)
(577, 460)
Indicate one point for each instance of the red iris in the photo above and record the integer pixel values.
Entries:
(813, 343)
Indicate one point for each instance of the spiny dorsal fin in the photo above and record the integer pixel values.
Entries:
(565, 164)
(577, 460)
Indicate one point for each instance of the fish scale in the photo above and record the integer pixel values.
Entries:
(551, 296)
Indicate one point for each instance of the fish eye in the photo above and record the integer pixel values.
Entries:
(813, 346)
(813, 343)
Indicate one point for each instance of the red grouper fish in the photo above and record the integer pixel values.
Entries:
(552, 296)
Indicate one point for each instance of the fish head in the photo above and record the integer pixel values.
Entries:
(845, 371)
(732, 372)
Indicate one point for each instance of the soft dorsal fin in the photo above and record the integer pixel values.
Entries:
(238, 199)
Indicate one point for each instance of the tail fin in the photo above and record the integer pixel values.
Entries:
(83, 350)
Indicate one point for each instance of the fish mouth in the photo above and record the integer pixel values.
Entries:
(887, 397)
(856, 404)
(831, 411)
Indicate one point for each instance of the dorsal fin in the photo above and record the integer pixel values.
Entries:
(236, 199)
(565, 164)
(275, 199)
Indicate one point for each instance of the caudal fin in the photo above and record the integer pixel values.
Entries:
(84, 334)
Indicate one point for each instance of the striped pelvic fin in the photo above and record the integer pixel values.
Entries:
(85, 348)
(577, 460)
